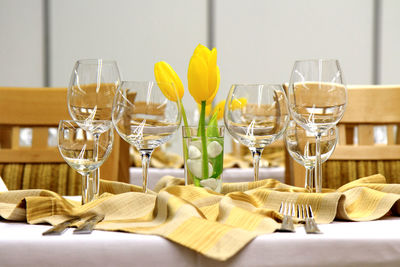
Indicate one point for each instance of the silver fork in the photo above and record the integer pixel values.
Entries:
(287, 210)
(89, 224)
(306, 214)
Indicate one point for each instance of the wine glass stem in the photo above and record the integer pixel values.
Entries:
(308, 181)
(256, 153)
(96, 174)
(146, 155)
(87, 188)
(318, 165)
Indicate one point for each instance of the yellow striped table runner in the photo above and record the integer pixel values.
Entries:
(215, 225)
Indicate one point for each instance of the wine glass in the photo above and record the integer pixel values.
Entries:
(300, 144)
(146, 118)
(91, 90)
(317, 100)
(90, 95)
(256, 115)
(83, 153)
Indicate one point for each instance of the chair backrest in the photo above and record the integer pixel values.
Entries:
(38, 111)
(369, 138)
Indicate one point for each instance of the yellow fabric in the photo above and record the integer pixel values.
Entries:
(216, 225)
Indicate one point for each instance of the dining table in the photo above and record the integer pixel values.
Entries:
(341, 243)
(355, 241)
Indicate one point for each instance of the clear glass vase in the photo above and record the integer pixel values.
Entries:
(197, 172)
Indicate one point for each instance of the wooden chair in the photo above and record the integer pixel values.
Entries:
(357, 153)
(39, 164)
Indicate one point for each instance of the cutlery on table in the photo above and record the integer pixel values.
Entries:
(60, 228)
(311, 226)
(287, 210)
(306, 214)
(89, 224)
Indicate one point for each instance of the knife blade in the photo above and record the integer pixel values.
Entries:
(60, 228)
(89, 224)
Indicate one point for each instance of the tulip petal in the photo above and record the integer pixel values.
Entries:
(164, 73)
(211, 98)
(198, 78)
(212, 59)
(164, 83)
(220, 109)
(238, 103)
(202, 51)
(212, 71)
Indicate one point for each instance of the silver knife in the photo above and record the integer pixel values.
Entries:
(61, 227)
(89, 224)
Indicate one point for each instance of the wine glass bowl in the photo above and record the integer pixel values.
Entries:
(84, 153)
(301, 143)
(92, 88)
(317, 106)
(317, 94)
(317, 100)
(256, 115)
(145, 118)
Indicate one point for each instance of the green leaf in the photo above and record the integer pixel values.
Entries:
(212, 129)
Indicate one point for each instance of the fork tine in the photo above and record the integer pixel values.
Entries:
(311, 212)
(310, 226)
(300, 211)
(287, 209)
(293, 210)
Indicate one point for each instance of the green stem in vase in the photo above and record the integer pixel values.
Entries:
(203, 136)
(185, 121)
(186, 126)
(212, 129)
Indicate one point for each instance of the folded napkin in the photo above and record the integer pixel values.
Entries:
(215, 225)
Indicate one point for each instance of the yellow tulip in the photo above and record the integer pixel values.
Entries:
(220, 108)
(166, 76)
(237, 103)
(203, 74)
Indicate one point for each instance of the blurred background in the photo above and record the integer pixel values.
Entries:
(257, 40)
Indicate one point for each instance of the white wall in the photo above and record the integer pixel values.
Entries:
(390, 42)
(21, 43)
(135, 33)
(259, 41)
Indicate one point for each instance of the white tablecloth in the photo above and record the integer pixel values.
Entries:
(342, 244)
(228, 176)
